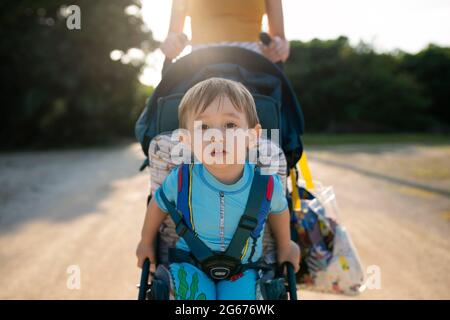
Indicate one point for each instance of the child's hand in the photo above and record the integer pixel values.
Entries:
(290, 253)
(144, 251)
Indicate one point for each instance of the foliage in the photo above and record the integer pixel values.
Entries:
(60, 86)
(354, 89)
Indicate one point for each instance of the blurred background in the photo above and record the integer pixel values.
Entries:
(357, 66)
(373, 80)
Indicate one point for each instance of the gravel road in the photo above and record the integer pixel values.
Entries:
(62, 211)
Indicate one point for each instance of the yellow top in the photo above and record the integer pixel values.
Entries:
(225, 20)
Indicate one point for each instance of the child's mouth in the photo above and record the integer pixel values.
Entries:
(218, 153)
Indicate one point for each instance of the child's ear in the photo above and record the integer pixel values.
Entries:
(254, 135)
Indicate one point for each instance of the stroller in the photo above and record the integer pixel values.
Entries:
(277, 108)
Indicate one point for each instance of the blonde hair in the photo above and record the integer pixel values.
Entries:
(201, 95)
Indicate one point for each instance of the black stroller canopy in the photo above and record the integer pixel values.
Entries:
(258, 74)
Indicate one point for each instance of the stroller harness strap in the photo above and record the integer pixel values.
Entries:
(220, 265)
(184, 198)
(256, 210)
(202, 251)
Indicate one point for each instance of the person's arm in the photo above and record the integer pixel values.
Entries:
(287, 250)
(146, 247)
(274, 10)
(176, 40)
(178, 15)
(279, 48)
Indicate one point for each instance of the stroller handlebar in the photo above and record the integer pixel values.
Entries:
(264, 37)
(144, 280)
(291, 280)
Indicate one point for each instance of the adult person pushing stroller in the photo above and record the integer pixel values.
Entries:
(227, 23)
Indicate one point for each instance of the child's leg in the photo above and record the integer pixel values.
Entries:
(190, 283)
(243, 288)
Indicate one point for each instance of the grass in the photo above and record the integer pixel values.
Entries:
(375, 138)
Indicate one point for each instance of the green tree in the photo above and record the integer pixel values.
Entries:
(60, 86)
(431, 67)
(343, 88)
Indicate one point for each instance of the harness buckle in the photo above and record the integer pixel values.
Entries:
(220, 266)
(248, 222)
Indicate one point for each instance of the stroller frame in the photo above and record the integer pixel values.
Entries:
(290, 123)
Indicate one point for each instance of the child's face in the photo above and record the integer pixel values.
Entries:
(220, 135)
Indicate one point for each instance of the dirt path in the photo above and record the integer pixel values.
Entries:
(85, 208)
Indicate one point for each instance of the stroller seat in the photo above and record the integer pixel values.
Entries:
(161, 163)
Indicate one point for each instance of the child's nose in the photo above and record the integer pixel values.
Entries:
(217, 139)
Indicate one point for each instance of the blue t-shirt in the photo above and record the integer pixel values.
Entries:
(217, 207)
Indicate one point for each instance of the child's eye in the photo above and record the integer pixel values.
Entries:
(230, 125)
(205, 127)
